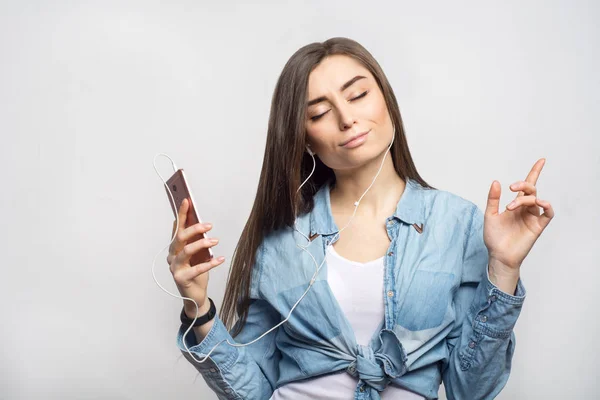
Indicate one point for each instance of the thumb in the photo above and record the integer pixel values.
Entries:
(493, 201)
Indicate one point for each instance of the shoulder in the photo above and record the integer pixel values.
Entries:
(448, 207)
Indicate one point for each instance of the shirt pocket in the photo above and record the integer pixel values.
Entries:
(427, 300)
(315, 318)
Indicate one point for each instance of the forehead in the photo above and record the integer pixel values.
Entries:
(333, 72)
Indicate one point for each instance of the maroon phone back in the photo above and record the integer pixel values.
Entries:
(180, 190)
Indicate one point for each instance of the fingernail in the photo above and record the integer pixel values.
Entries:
(214, 240)
(221, 258)
(208, 225)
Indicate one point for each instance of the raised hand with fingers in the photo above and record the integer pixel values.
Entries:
(510, 235)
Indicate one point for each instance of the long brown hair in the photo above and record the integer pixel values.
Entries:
(286, 164)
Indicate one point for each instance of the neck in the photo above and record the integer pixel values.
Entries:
(352, 183)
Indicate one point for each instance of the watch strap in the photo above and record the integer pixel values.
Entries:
(201, 320)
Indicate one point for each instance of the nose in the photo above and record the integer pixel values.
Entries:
(346, 118)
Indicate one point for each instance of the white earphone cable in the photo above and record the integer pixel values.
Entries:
(312, 280)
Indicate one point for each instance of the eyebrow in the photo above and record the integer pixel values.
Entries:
(344, 87)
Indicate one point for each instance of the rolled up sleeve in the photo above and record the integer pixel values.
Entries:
(482, 343)
(238, 372)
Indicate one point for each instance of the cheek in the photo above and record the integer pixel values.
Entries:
(317, 134)
(378, 111)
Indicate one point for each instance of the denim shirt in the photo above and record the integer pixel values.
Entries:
(444, 320)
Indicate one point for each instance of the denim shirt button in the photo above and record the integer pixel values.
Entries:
(472, 344)
(493, 297)
(483, 318)
(362, 389)
(390, 222)
(351, 369)
(212, 370)
(390, 293)
(391, 253)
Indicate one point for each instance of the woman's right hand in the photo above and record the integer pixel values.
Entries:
(191, 280)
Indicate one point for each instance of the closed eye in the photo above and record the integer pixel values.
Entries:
(360, 96)
(316, 117)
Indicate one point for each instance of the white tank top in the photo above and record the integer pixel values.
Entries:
(364, 310)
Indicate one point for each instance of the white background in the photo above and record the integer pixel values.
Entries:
(91, 91)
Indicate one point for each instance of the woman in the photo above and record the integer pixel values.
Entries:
(420, 287)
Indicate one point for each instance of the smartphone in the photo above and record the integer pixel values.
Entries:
(180, 189)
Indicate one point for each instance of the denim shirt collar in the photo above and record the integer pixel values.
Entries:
(410, 208)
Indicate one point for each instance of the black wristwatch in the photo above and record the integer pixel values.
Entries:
(201, 320)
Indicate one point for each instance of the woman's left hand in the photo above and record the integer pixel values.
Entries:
(509, 236)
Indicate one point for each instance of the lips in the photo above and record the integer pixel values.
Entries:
(354, 137)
